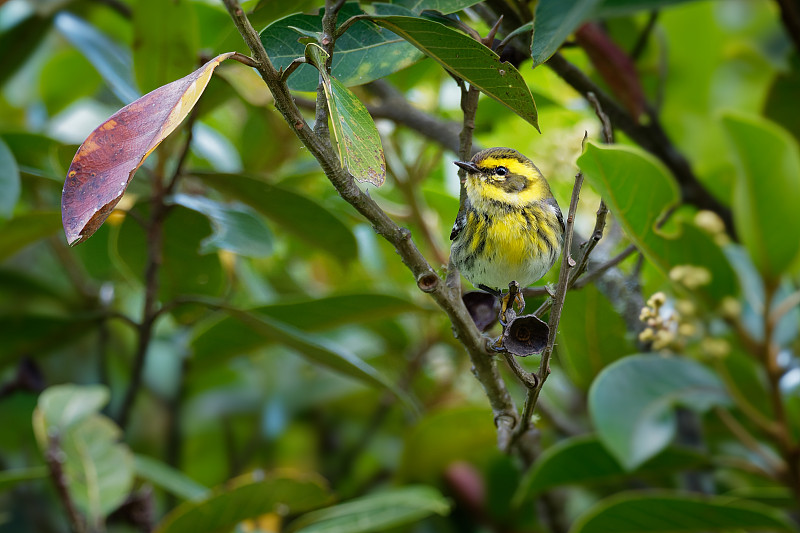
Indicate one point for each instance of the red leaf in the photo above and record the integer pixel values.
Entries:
(106, 161)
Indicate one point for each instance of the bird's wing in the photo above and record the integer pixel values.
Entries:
(552, 201)
(458, 225)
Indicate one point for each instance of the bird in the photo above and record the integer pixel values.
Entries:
(509, 227)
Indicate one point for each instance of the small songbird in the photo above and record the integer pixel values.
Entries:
(509, 227)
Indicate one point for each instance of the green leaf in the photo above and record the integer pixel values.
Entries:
(229, 336)
(98, 468)
(667, 512)
(11, 478)
(38, 155)
(621, 8)
(632, 403)
(25, 334)
(767, 192)
(363, 54)
(444, 7)
(467, 59)
(639, 190)
(318, 227)
(63, 406)
(444, 437)
(9, 181)
(184, 270)
(245, 497)
(584, 460)
(165, 42)
(111, 61)
(171, 480)
(554, 21)
(66, 77)
(375, 512)
(354, 131)
(591, 335)
(318, 350)
(25, 229)
(237, 228)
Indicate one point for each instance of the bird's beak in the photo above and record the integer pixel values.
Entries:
(469, 166)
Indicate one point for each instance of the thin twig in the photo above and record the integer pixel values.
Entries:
(597, 272)
(567, 263)
(449, 301)
(296, 62)
(245, 60)
(641, 42)
(744, 436)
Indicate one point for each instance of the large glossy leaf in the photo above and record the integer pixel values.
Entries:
(638, 191)
(363, 54)
(354, 133)
(172, 480)
(554, 21)
(375, 512)
(25, 229)
(444, 437)
(9, 181)
(467, 59)
(767, 192)
(108, 158)
(237, 228)
(230, 336)
(245, 497)
(585, 461)
(632, 402)
(591, 335)
(111, 60)
(669, 512)
(165, 41)
(317, 227)
(318, 350)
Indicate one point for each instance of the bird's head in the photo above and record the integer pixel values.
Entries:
(504, 175)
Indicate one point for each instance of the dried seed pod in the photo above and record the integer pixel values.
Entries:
(483, 308)
(525, 335)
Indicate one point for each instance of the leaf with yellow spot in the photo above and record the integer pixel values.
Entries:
(106, 161)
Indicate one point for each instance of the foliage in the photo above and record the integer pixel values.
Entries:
(255, 329)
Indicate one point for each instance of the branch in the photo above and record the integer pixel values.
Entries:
(567, 263)
(427, 280)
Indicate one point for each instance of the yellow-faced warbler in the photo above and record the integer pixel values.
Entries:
(509, 227)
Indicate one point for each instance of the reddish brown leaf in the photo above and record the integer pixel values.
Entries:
(106, 161)
(614, 65)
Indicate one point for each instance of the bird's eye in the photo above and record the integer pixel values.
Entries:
(501, 171)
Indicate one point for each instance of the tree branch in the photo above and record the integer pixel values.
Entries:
(427, 280)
